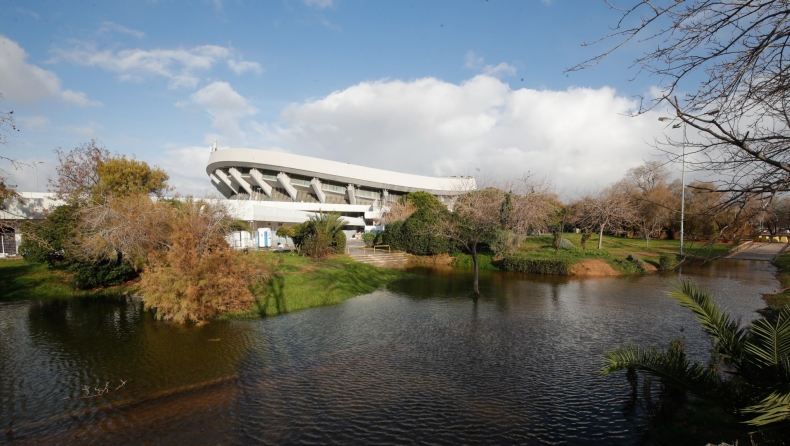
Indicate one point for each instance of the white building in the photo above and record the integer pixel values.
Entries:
(272, 189)
(28, 206)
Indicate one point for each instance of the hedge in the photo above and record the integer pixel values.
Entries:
(667, 262)
(559, 267)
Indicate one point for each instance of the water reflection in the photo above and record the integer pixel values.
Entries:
(419, 362)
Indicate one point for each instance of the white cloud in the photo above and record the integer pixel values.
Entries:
(186, 167)
(244, 66)
(27, 12)
(79, 98)
(578, 137)
(90, 130)
(477, 63)
(225, 107)
(115, 27)
(32, 123)
(320, 4)
(26, 83)
(180, 65)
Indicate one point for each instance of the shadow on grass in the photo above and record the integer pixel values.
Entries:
(323, 283)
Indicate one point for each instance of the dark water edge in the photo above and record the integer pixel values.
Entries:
(419, 362)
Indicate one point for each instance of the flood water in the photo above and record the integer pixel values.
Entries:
(418, 362)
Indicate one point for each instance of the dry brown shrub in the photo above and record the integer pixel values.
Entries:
(399, 211)
(199, 276)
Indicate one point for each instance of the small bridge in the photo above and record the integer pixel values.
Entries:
(758, 251)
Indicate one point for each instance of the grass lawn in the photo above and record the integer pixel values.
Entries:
(23, 280)
(298, 282)
(614, 251)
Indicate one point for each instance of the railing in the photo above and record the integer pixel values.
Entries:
(365, 248)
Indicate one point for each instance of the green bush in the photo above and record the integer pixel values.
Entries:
(638, 262)
(465, 261)
(339, 242)
(503, 242)
(369, 238)
(560, 267)
(667, 262)
(86, 275)
(413, 234)
(48, 241)
(585, 238)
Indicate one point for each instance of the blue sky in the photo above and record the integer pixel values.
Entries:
(435, 88)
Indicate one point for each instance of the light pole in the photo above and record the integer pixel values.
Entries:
(682, 180)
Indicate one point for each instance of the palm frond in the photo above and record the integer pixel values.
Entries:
(727, 333)
(773, 408)
(672, 367)
(769, 343)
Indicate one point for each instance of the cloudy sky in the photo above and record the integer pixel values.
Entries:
(435, 88)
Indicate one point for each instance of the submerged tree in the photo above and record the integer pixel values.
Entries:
(756, 360)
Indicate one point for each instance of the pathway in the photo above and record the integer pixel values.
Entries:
(758, 251)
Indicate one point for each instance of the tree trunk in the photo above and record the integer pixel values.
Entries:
(600, 238)
(477, 270)
(647, 239)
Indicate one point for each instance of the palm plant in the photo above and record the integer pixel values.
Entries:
(756, 359)
(322, 234)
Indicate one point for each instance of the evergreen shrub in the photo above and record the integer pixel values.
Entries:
(369, 238)
(87, 275)
(560, 267)
(667, 262)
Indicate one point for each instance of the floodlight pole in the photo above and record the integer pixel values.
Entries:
(682, 180)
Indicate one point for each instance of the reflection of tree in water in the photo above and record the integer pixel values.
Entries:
(111, 339)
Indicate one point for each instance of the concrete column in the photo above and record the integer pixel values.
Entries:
(316, 184)
(257, 178)
(352, 199)
(223, 188)
(221, 175)
(285, 182)
(236, 175)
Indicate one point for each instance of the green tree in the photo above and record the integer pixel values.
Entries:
(51, 241)
(120, 177)
(756, 359)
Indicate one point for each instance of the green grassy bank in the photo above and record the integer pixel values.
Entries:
(615, 251)
(781, 299)
(297, 283)
(23, 280)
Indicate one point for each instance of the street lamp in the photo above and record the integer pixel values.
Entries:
(682, 179)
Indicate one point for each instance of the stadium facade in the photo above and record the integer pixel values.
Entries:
(271, 189)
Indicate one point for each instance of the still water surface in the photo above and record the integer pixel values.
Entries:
(419, 362)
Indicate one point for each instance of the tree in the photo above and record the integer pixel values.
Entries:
(195, 275)
(730, 57)
(78, 171)
(606, 208)
(6, 126)
(749, 366)
(475, 218)
(120, 177)
(652, 199)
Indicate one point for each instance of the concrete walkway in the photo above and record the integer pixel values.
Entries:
(758, 251)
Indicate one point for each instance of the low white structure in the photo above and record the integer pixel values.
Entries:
(28, 206)
(272, 189)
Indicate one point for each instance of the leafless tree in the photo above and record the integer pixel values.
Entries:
(654, 205)
(605, 209)
(729, 56)
(78, 171)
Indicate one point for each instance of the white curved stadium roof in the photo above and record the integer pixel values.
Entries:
(338, 172)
